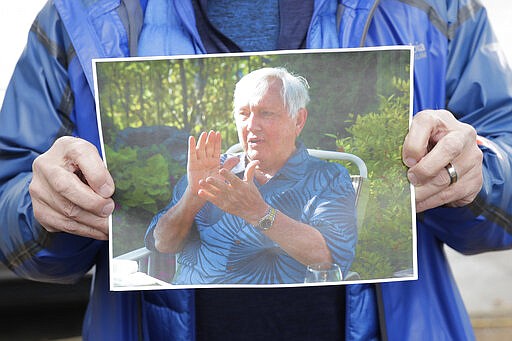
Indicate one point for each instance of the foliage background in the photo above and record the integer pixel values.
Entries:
(359, 104)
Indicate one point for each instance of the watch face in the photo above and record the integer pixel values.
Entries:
(265, 224)
(268, 220)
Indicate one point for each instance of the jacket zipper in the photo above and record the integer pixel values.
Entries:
(368, 22)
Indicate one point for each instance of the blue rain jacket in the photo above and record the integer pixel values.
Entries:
(458, 66)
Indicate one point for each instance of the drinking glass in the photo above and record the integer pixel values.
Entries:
(323, 272)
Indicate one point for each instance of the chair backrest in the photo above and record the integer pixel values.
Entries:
(358, 180)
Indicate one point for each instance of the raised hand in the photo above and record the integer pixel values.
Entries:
(203, 158)
(174, 226)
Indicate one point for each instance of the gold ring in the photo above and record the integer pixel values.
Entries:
(452, 173)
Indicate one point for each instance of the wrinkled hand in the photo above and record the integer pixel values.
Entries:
(235, 196)
(435, 139)
(71, 189)
(203, 158)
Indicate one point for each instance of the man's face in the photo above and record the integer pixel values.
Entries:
(266, 130)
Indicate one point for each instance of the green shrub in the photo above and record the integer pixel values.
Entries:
(385, 237)
(144, 179)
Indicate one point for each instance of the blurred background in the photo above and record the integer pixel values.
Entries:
(484, 280)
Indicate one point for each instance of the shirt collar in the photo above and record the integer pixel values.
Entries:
(295, 168)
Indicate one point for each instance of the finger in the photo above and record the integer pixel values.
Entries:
(204, 194)
(214, 185)
(209, 191)
(436, 200)
(218, 144)
(249, 171)
(416, 141)
(201, 146)
(210, 197)
(458, 146)
(79, 156)
(213, 144)
(230, 163)
(64, 187)
(192, 149)
(261, 177)
(441, 180)
(460, 193)
(210, 144)
(434, 162)
(51, 182)
(448, 195)
(437, 185)
(230, 177)
(87, 225)
(92, 212)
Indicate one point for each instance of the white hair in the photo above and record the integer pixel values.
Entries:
(251, 87)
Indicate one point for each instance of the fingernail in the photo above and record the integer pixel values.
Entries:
(412, 179)
(409, 162)
(105, 191)
(108, 209)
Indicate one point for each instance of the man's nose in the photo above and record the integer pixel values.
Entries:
(253, 123)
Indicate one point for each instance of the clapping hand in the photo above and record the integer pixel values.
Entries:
(204, 160)
(236, 196)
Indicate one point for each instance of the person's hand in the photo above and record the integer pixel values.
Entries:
(436, 139)
(203, 158)
(236, 196)
(71, 189)
(173, 227)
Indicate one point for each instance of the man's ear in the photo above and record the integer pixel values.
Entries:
(300, 120)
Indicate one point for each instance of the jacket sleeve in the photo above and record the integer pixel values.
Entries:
(479, 92)
(37, 109)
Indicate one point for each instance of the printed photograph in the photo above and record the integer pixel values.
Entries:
(260, 169)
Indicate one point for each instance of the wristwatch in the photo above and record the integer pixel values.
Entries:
(267, 221)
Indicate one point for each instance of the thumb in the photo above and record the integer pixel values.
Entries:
(249, 171)
(230, 163)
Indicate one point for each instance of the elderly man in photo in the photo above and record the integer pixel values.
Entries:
(263, 217)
